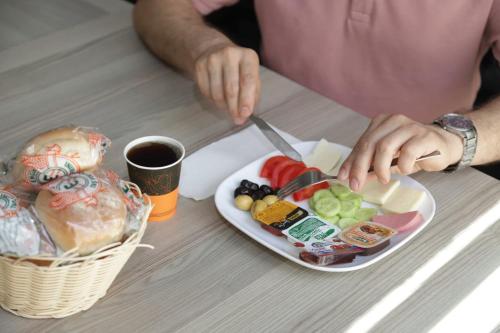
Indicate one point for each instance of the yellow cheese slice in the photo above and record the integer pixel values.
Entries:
(324, 157)
(404, 199)
(378, 193)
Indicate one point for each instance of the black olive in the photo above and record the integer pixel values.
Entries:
(258, 195)
(248, 184)
(266, 189)
(242, 190)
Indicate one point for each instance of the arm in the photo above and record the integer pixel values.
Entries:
(390, 135)
(225, 73)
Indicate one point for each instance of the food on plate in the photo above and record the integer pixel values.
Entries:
(250, 185)
(346, 222)
(365, 214)
(332, 220)
(325, 157)
(340, 191)
(327, 207)
(311, 229)
(367, 234)
(328, 253)
(404, 199)
(378, 193)
(243, 202)
(281, 167)
(270, 199)
(347, 209)
(82, 211)
(281, 215)
(58, 152)
(322, 194)
(266, 189)
(253, 190)
(354, 197)
(401, 222)
(257, 207)
(280, 170)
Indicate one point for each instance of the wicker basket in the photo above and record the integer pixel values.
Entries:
(62, 286)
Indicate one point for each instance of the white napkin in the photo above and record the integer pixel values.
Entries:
(205, 169)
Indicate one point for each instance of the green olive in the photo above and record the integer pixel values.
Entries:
(257, 207)
(243, 202)
(270, 199)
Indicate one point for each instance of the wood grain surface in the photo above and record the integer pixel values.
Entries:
(80, 62)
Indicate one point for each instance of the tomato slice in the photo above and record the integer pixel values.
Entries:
(279, 167)
(267, 168)
(308, 192)
(289, 173)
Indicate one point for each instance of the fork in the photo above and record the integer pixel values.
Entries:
(313, 177)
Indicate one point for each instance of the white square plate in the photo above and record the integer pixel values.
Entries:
(242, 220)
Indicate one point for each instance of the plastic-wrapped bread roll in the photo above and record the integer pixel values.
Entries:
(20, 233)
(82, 211)
(59, 152)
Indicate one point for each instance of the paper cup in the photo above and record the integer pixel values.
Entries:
(159, 182)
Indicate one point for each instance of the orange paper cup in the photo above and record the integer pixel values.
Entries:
(154, 164)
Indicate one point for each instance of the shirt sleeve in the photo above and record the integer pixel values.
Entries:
(493, 29)
(205, 7)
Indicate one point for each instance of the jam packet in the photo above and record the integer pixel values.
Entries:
(368, 235)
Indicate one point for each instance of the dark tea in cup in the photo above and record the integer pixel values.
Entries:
(154, 164)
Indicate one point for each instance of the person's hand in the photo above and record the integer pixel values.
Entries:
(228, 75)
(390, 136)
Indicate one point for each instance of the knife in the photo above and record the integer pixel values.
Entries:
(276, 139)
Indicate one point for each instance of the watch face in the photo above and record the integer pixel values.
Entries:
(458, 122)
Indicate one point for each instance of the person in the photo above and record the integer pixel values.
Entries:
(402, 63)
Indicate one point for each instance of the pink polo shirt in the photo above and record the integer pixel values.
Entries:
(416, 57)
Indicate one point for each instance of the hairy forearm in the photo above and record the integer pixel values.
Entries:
(487, 122)
(175, 31)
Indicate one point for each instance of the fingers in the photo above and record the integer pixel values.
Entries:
(358, 163)
(229, 76)
(249, 85)
(231, 86)
(388, 147)
(214, 64)
(202, 78)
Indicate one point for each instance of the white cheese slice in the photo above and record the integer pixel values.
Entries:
(404, 199)
(378, 193)
(324, 157)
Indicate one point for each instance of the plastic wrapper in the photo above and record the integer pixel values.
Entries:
(87, 211)
(21, 234)
(56, 153)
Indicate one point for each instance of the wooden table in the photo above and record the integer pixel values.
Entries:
(80, 62)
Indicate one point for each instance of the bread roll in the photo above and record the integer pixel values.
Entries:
(82, 211)
(57, 153)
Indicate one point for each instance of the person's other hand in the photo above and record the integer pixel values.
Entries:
(390, 136)
(228, 75)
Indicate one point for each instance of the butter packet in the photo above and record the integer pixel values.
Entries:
(281, 215)
(311, 230)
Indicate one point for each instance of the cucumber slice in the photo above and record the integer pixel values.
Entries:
(347, 209)
(311, 203)
(340, 191)
(333, 220)
(365, 214)
(322, 194)
(346, 222)
(357, 198)
(327, 207)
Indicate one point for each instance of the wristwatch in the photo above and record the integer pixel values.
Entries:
(464, 127)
